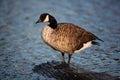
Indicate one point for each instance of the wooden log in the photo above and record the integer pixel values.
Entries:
(64, 72)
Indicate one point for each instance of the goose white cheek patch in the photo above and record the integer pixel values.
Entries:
(46, 19)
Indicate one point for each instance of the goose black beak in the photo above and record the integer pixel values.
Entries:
(37, 21)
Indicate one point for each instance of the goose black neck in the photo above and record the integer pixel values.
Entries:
(53, 22)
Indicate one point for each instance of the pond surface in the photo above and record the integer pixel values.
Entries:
(21, 46)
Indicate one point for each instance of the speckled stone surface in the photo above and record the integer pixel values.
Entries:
(21, 46)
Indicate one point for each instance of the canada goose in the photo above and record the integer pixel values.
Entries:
(66, 37)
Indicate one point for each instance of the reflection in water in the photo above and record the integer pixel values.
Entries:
(64, 72)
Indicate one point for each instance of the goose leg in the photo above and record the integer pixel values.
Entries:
(63, 60)
(69, 57)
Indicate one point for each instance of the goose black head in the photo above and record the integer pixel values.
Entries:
(45, 17)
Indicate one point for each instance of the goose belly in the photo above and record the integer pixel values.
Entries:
(47, 34)
(52, 39)
(48, 37)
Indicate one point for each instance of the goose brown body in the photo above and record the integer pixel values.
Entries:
(65, 37)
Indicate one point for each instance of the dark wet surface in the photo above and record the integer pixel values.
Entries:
(21, 46)
(65, 72)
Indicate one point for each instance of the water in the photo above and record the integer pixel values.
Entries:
(21, 46)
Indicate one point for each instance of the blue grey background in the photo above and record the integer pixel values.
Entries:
(21, 46)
